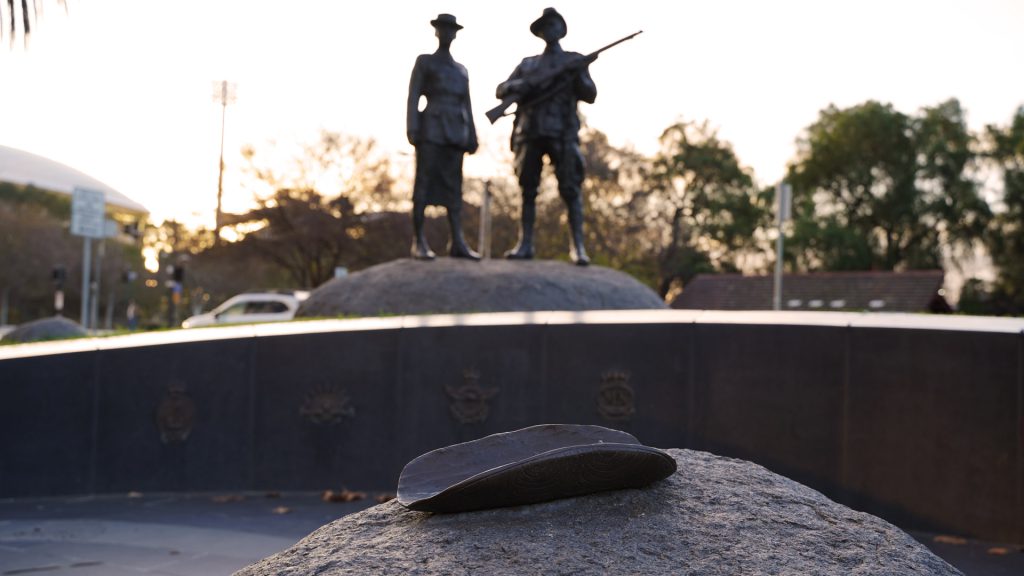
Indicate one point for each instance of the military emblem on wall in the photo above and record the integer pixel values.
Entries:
(327, 405)
(175, 415)
(470, 401)
(615, 397)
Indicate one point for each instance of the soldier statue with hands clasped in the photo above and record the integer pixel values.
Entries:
(442, 133)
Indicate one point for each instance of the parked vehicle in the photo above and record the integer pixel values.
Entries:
(250, 308)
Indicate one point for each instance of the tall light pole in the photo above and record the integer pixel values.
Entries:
(224, 93)
(484, 247)
(784, 203)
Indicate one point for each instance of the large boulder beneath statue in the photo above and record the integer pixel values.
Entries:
(55, 328)
(713, 516)
(452, 286)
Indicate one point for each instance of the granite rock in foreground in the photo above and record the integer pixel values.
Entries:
(713, 516)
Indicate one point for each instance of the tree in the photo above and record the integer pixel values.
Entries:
(702, 206)
(213, 271)
(614, 178)
(1005, 148)
(308, 232)
(304, 233)
(336, 165)
(619, 230)
(34, 240)
(877, 189)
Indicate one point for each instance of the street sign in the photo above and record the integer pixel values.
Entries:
(111, 228)
(87, 213)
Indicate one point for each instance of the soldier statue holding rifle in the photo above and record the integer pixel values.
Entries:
(546, 90)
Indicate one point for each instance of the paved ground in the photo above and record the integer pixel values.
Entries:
(211, 534)
(159, 534)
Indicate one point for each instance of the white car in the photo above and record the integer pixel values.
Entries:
(249, 308)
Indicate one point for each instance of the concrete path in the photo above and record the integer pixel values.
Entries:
(217, 534)
(159, 534)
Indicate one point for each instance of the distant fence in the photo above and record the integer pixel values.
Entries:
(917, 419)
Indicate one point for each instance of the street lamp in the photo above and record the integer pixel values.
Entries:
(224, 93)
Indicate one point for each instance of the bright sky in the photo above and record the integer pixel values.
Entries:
(122, 89)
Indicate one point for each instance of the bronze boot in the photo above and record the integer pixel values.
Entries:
(459, 248)
(576, 251)
(420, 249)
(524, 249)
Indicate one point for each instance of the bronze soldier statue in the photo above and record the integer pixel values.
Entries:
(442, 133)
(547, 89)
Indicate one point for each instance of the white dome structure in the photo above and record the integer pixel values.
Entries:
(20, 167)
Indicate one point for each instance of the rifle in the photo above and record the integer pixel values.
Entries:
(573, 68)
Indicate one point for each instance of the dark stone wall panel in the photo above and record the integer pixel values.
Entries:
(631, 377)
(922, 427)
(462, 383)
(325, 410)
(174, 417)
(933, 428)
(772, 395)
(46, 425)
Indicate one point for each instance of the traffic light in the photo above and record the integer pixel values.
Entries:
(59, 275)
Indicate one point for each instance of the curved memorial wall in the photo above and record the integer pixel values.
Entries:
(917, 419)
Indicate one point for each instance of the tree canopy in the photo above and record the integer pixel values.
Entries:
(876, 189)
(702, 205)
(1005, 238)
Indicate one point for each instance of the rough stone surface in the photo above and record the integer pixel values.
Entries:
(450, 286)
(55, 328)
(713, 516)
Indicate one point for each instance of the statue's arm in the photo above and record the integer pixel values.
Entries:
(473, 143)
(584, 87)
(412, 106)
(516, 85)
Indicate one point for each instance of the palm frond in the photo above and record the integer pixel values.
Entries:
(18, 18)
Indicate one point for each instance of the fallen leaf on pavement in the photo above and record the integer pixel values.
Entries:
(344, 495)
(954, 540)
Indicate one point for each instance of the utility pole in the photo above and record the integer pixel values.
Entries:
(223, 93)
(94, 288)
(784, 202)
(88, 208)
(485, 222)
(4, 295)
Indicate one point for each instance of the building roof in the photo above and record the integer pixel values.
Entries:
(20, 167)
(911, 291)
